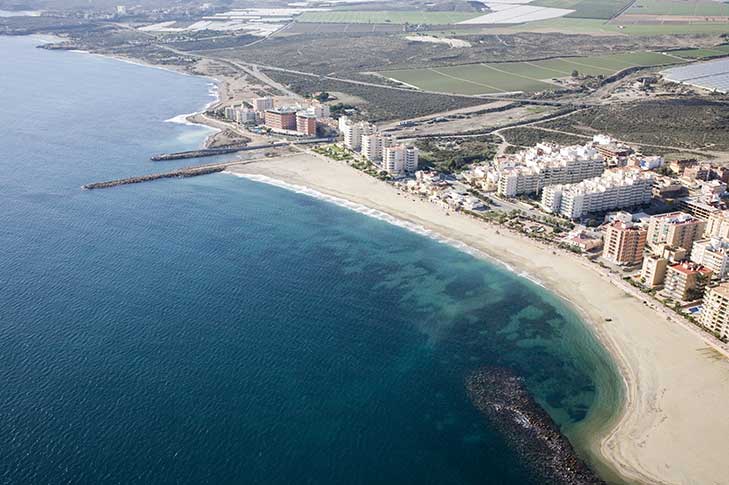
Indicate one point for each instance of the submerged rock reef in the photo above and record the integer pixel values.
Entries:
(502, 396)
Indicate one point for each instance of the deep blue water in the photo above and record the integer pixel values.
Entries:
(216, 330)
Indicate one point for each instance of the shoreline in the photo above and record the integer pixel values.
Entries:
(594, 455)
(195, 118)
(650, 439)
(635, 442)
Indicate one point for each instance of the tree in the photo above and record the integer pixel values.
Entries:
(575, 73)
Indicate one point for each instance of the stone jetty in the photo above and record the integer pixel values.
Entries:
(183, 172)
(501, 395)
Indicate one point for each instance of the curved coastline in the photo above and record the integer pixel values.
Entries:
(602, 417)
(635, 441)
(641, 442)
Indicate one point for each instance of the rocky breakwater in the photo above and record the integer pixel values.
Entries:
(183, 172)
(528, 429)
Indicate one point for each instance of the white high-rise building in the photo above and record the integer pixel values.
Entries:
(533, 169)
(240, 115)
(615, 189)
(714, 254)
(372, 146)
(353, 132)
(400, 159)
(412, 156)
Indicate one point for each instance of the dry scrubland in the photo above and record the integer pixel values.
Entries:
(690, 123)
(380, 104)
(333, 53)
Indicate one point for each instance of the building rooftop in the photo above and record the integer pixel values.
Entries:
(677, 218)
(282, 110)
(690, 268)
(626, 226)
(610, 179)
(546, 155)
(722, 289)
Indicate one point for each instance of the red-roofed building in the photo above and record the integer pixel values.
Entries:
(686, 281)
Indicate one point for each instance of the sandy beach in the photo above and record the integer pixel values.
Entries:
(671, 428)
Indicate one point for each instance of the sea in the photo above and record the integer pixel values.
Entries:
(219, 330)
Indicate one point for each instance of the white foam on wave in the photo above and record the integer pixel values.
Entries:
(214, 92)
(383, 216)
(182, 120)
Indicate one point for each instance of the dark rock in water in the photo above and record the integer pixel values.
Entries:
(529, 430)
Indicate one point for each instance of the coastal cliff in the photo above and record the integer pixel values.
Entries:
(501, 395)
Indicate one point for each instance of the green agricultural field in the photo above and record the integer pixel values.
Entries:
(386, 17)
(721, 50)
(586, 9)
(526, 76)
(701, 8)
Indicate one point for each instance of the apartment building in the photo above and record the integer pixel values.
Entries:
(714, 254)
(241, 115)
(714, 315)
(535, 168)
(675, 229)
(686, 281)
(624, 243)
(615, 189)
(353, 132)
(697, 208)
(400, 159)
(653, 271)
(262, 105)
(717, 225)
(373, 145)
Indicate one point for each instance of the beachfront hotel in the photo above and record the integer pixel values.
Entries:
(281, 119)
(686, 281)
(624, 243)
(714, 315)
(306, 123)
(529, 171)
(675, 229)
(615, 189)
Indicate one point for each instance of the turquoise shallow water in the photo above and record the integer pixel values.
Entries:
(217, 330)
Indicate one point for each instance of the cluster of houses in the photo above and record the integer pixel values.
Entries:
(434, 187)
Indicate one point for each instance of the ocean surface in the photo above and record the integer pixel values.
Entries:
(218, 330)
